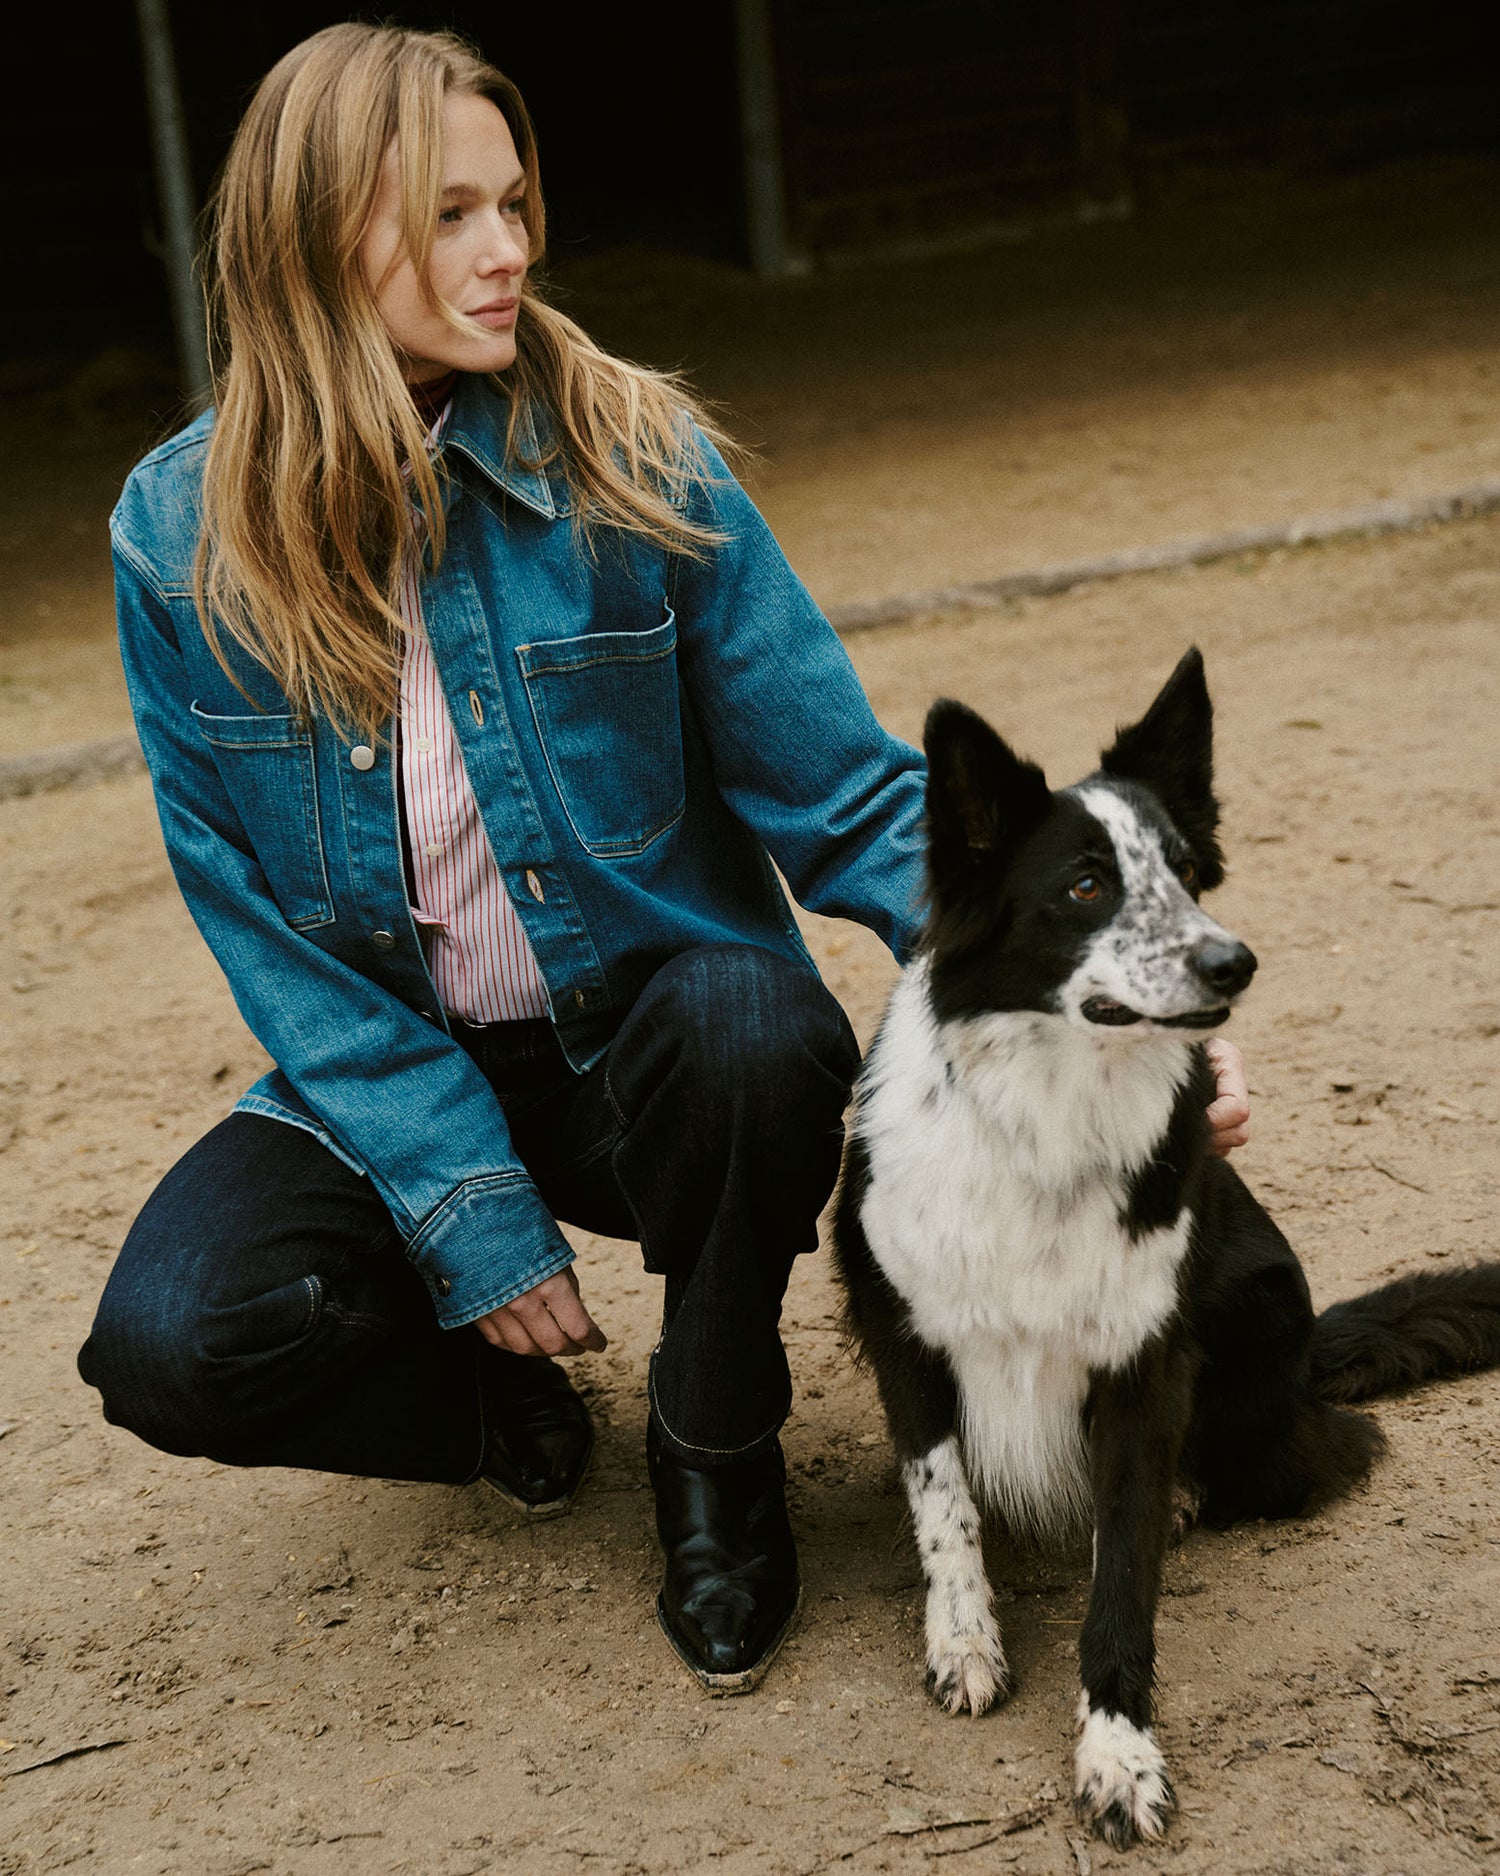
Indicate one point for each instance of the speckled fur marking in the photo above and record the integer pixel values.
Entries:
(966, 1667)
(1143, 957)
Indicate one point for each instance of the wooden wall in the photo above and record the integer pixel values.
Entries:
(936, 120)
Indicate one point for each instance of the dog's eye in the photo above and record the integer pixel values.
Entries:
(1187, 872)
(1085, 890)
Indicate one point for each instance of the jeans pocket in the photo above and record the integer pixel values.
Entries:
(609, 720)
(265, 1323)
(268, 767)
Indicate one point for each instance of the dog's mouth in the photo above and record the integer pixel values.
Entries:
(1112, 1015)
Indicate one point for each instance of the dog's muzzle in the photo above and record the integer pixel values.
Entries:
(1221, 964)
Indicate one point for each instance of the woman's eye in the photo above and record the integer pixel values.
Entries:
(450, 217)
(1085, 890)
(512, 208)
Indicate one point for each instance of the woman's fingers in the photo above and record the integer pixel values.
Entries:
(549, 1319)
(568, 1310)
(1229, 1112)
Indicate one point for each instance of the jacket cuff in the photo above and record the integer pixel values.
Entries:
(490, 1241)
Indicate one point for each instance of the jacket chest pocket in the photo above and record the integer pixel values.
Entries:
(268, 767)
(608, 718)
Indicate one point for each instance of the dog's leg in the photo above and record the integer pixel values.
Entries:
(1138, 1417)
(966, 1665)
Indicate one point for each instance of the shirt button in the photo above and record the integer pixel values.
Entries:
(362, 757)
(424, 744)
(534, 887)
(442, 1286)
(382, 941)
(433, 849)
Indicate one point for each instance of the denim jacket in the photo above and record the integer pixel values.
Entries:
(648, 738)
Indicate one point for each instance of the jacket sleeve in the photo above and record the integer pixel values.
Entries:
(402, 1100)
(799, 754)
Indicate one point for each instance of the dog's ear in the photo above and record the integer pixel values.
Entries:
(1171, 752)
(982, 798)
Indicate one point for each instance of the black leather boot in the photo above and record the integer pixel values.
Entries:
(731, 1588)
(538, 1435)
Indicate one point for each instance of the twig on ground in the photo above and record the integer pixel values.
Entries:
(963, 1849)
(1411, 1186)
(912, 1826)
(56, 1758)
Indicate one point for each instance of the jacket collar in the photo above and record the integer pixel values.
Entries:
(476, 429)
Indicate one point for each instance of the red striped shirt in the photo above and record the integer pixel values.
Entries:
(479, 955)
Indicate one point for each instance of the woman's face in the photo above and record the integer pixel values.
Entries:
(479, 249)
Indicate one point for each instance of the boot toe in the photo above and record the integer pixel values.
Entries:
(731, 1628)
(732, 1587)
(539, 1437)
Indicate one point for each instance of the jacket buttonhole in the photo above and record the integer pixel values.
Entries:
(476, 705)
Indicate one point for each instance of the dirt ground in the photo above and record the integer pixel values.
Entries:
(215, 1672)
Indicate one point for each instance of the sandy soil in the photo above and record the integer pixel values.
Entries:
(216, 1672)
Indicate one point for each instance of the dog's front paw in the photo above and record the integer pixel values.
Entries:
(967, 1672)
(1122, 1789)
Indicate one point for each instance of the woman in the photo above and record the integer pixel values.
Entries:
(478, 702)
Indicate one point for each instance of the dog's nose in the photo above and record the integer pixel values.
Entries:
(1224, 964)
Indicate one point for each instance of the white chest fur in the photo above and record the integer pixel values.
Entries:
(1001, 1152)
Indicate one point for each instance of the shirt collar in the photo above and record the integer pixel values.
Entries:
(476, 429)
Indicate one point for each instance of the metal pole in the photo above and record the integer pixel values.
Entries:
(1101, 114)
(174, 193)
(760, 140)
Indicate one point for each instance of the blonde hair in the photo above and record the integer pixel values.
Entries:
(305, 504)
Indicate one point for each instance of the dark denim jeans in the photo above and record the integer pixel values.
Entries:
(262, 1311)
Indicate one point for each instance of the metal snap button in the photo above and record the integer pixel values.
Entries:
(362, 757)
(382, 940)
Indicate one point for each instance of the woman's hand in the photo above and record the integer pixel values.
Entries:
(1229, 1112)
(548, 1320)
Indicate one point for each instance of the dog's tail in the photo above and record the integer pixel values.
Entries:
(1419, 1328)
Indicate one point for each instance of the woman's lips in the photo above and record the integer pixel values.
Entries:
(497, 316)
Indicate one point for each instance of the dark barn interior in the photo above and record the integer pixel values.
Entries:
(778, 134)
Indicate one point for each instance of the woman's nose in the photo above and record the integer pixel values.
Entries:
(507, 250)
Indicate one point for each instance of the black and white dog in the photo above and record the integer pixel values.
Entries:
(1073, 1311)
